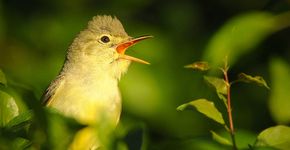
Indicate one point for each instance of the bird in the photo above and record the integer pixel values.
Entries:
(86, 88)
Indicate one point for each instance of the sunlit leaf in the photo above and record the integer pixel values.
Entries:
(241, 34)
(219, 84)
(223, 98)
(201, 65)
(8, 108)
(279, 102)
(220, 139)
(3, 78)
(205, 107)
(250, 79)
(276, 137)
(20, 121)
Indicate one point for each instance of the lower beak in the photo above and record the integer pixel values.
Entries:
(121, 49)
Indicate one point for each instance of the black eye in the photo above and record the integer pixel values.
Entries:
(105, 39)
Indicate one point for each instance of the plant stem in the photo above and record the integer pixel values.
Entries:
(229, 108)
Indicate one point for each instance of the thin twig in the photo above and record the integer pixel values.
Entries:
(229, 108)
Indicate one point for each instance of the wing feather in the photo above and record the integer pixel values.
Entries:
(47, 97)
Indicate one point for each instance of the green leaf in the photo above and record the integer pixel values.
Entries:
(20, 121)
(220, 139)
(61, 129)
(242, 34)
(21, 143)
(243, 138)
(219, 84)
(279, 102)
(3, 78)
(205, 107)
(200, 65)
(276, 137)
(8, 108)
(250, 79)
(223, 98)
(11, 142)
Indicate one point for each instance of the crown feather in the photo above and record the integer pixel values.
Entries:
(106, 24)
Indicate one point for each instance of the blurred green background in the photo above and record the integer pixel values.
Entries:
(34, 37)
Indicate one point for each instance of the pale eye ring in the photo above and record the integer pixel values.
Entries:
(105, 39)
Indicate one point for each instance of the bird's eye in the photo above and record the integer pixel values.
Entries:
(105, 39)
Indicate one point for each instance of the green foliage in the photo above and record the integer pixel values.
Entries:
(3, 80)
(220, 139)
(205, 107)
(13, 123)
(220, 87)
(245, 139)
(35, 128)
(208, 108)
(21, 121)
(201, 65)
(16, 143)
(61, 130)
(241, 34)
(236, 38)
(279, 103)
(276, 137)
(219, 84)
(8, 108)
(250, 79)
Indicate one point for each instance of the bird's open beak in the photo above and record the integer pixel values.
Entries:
(121, 48)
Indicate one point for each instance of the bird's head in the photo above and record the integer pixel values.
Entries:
(103, 44)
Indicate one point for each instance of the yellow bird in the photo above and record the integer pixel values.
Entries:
(87, 87)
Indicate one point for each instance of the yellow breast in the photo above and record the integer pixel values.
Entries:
(90, 101)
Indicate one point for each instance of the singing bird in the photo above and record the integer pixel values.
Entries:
(86, 89)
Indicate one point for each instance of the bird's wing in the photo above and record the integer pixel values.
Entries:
(47, 97)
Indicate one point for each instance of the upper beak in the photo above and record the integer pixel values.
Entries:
(121, 48)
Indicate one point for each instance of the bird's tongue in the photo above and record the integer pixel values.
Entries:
(121, 48)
